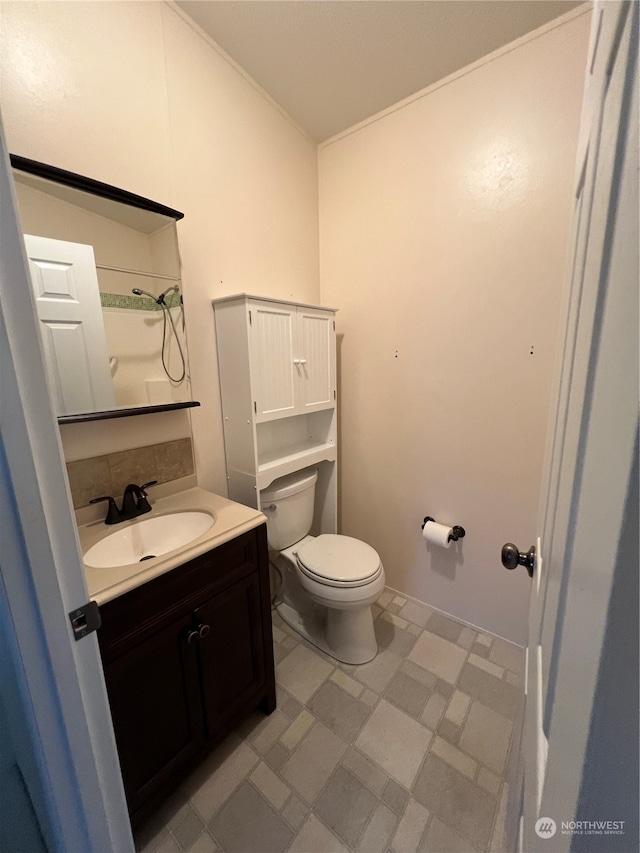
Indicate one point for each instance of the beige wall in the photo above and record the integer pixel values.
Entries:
(443, 230)
(132, 95)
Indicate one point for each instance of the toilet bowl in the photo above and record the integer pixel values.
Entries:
(329, 582)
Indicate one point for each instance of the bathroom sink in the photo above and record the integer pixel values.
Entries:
(148, 538)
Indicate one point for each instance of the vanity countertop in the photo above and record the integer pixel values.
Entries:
(231, 520)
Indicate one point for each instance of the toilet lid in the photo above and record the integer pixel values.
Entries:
(339, 559)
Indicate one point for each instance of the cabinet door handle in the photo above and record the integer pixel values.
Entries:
(204, 631)
(295, 361)
(193, 636)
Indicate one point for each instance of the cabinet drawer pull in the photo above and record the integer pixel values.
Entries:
(192, 637)
(204, 631)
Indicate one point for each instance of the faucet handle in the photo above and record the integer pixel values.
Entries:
(113, 514)
(143, 503)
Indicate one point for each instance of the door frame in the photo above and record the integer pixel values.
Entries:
(74, 781)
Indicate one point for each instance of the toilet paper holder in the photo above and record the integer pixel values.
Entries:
(457, 532)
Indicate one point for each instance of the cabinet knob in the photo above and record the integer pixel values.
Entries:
(204, 631)
(192, 636)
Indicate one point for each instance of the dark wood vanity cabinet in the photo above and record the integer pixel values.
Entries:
(234, 676)
(186, 656)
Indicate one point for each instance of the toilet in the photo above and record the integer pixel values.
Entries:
(329, 582)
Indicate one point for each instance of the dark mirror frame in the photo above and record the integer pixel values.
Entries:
(89, 185)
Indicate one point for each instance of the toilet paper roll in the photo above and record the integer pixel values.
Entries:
(437, 534)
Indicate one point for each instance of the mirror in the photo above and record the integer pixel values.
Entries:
(105, 269)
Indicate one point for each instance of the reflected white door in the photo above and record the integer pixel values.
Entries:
(591, 449)
(65, 285)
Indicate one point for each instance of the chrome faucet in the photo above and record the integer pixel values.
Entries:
(134, 503)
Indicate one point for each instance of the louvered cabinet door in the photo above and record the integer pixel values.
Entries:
(274, 375)
(316, 360)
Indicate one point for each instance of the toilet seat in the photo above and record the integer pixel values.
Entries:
(339, 561)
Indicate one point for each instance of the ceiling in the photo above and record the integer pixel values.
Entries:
(332, 63)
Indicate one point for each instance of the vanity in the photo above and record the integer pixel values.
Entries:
(186, 642)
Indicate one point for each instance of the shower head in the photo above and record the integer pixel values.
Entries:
(159, 299)
(137, 292)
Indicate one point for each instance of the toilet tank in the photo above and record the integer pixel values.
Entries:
(288, 505)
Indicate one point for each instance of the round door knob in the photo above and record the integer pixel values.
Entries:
(192, 636)
(512, 558)
(204, 631)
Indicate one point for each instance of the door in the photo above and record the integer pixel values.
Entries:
(316, 364)
(59, 723)
(154, 695)
(591, 453)
(65, 285)
(272, 336)
(231, 650)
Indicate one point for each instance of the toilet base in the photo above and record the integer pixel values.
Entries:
(346, 635)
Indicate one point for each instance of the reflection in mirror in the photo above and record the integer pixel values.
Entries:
(106, 279)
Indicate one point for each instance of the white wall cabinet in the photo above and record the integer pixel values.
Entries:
(277, 365)
(292, 359)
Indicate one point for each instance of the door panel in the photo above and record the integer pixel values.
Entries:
(65, 347)
(272, 336)
(156, 707)
(231, 672)
(595, 215)
(316, 370)
(65, 286)
(570, 592)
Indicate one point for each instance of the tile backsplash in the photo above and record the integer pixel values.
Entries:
(110, 474)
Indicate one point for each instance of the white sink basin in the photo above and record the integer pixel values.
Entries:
(148, 538)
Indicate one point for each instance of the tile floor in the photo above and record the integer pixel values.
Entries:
(403, 754)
